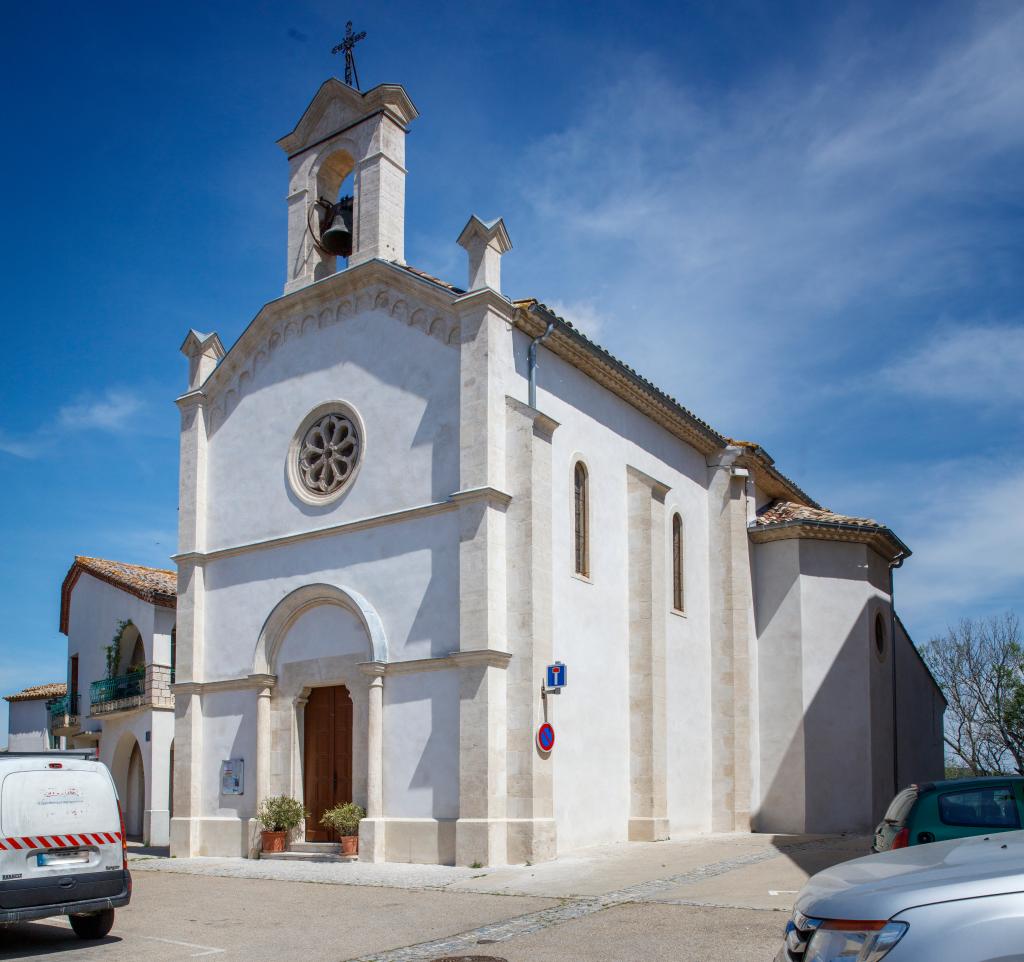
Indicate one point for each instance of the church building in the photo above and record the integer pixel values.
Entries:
(401, 500)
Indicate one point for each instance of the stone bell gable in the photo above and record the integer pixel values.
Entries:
(344, 132)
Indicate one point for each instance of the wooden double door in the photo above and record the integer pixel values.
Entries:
(327, 756)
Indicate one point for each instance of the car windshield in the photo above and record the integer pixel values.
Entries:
(901, 805)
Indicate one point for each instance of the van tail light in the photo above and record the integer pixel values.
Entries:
(902, 839)
(124, 838)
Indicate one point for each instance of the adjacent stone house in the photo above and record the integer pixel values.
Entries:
(119, 622)
(401, 499)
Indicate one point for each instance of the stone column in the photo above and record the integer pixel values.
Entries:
(531, 822)
(485, 352)
(298, 788)
(648, 608)
(263, 740)
(731, 606)
(372, 840)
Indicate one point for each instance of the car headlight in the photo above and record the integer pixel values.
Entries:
(841, 941)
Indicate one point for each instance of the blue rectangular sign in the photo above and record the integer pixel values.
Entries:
(556, 675)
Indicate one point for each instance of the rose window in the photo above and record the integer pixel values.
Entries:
(328, 453)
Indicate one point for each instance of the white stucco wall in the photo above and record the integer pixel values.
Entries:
(421, 745)
(591, 617)
(408, 571)
(920, 709)
(95, 610)
(825, 718)
(402, 382)
(28, 726)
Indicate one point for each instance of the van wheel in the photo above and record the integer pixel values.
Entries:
(94, 925)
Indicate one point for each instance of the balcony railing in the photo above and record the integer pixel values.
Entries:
(63, 714)
(148, 688)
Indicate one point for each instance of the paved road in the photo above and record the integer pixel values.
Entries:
(720, 897)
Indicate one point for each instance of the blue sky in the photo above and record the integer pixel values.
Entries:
(803, 220)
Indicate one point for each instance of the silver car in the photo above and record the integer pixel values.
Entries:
(955, 901)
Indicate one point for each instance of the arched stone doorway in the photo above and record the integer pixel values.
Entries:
(325, 647)
(127, 766)
(135, 796)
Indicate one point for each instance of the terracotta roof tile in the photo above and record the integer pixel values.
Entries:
(785, 519)
(158, 586)
(782, 512)
(53, 690)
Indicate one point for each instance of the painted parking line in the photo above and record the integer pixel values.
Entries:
(204, 949)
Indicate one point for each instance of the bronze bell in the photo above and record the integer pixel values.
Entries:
(337, 236)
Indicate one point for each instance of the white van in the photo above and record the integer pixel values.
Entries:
(62, 845)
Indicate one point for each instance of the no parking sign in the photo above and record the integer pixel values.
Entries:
(545, 737)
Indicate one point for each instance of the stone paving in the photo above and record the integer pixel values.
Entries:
(597, 871)
(578, 908)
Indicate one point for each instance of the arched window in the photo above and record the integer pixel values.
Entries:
(879, 635)
(581, 520)
(677, 562)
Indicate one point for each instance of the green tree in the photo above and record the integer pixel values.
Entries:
(979, 665)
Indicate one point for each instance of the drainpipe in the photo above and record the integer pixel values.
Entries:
(893, 565)
(531, 357)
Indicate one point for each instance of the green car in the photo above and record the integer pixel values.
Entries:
(935, 811)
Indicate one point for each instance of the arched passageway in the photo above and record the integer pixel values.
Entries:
(135, 795)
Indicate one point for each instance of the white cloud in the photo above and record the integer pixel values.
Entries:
(583, 314)
(963, 523)
(753, 226)
(983, 364)
(18, 448)
(114, 411)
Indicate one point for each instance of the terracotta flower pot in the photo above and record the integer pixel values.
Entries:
(349, 844)
(273, 841)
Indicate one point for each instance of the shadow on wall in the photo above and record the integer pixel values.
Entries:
(838, 761)
(826, 704)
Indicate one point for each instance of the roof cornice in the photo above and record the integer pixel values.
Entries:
(533, 317)
(313, 296)
(877, 537)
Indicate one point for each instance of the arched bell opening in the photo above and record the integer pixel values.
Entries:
(333, 216)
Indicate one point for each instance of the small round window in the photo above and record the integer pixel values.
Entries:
(325, 452)
(879, 636)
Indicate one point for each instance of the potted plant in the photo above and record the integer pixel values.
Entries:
(278, 815)
(345, 819)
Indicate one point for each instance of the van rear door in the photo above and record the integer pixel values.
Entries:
(58, 818)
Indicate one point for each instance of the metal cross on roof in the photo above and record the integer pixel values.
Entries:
(348, 45)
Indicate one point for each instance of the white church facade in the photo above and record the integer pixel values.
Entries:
(400, 500)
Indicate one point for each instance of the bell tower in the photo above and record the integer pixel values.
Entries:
(344, 131)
